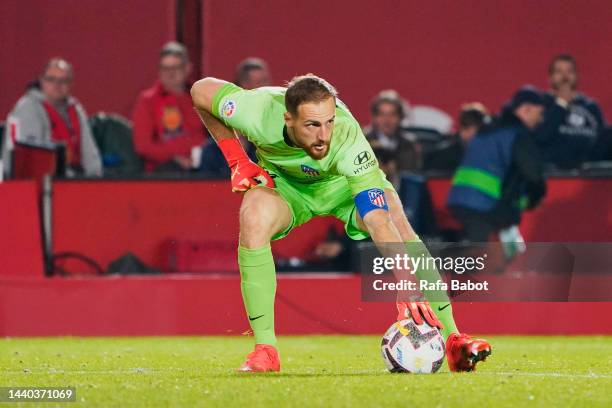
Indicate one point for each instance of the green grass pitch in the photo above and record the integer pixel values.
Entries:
(329, 371)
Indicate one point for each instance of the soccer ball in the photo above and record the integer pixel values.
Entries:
(411, 348)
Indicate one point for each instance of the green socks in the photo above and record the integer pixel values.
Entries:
(438, 300)
(258, 284)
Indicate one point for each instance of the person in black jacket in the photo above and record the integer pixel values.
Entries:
(501, 172)
(447, 154)
(573, 123)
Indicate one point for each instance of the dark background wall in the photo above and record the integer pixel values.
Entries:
(113, 45)
(439, 53)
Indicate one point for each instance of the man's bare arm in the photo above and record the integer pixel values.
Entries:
(202, 94)
(245, 173)
(388, 240)
(381, 228)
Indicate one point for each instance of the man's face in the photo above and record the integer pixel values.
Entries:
(387, 119)
(532, 115)
(563, 75)
(56, 84)
(467, 133)
(312, 127)
(173, 72)
(256, 78)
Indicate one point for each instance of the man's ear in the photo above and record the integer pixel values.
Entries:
(288, 119)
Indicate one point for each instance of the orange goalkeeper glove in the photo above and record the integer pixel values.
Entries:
(245, 173)
(418, 311)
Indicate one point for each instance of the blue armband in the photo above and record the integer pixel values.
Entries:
(372, 199)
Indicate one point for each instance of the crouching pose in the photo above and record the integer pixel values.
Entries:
(313, 159)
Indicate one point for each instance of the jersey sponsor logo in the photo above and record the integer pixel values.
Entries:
(377, 197)
(309, 170)
(228, 109)
(364, 167)
(362, 158)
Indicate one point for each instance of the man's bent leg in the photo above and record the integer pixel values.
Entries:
(263, 213)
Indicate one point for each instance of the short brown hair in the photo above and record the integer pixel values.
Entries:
(473, 114)
(307, 88)
(564, 58)
(246, 66)
(389, 96)
(176, 49)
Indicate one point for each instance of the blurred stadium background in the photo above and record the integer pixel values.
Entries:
(60, 235)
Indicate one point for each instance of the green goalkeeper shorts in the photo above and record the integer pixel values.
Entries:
(329, 197)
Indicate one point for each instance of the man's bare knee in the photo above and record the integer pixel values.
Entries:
(255, 220)
(259, 217)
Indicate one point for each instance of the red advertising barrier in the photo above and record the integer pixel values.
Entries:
(20, 230)
(183, 304)
(103, 219)
(574, 210)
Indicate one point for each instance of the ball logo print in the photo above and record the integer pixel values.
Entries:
(228, 109)
(410, 348)
(362, 158)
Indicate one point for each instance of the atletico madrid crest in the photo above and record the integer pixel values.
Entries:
(377, 197)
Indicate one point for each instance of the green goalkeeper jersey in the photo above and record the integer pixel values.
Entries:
(259, 115)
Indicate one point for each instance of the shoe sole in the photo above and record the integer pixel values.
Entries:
(478, 357)
(247, 372)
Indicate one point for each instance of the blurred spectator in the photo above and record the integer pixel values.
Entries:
(166, 127)
(250, 73)
(385, 134)
(336, 252)
(113, 135)
(448, 153)
(573, 122)
(49, 113)
(501, 173)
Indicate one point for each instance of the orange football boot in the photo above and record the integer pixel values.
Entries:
(463, 352)
(263, 359)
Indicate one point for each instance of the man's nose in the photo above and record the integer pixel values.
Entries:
(324, 133)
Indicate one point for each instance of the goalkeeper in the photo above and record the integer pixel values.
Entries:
(313, 159)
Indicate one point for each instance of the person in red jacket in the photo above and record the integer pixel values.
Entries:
(166, 127)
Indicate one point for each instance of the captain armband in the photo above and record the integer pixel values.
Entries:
(369, 200)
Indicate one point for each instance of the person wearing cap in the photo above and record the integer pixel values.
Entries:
(167, 131)
(501, 172)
